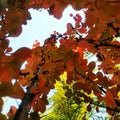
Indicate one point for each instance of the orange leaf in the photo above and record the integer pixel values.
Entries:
(10, 65)
(41, 84)
(109, 99)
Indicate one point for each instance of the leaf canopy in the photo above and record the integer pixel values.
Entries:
(97, 35)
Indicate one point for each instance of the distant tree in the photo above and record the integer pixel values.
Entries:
(46, 63)
(64, 107)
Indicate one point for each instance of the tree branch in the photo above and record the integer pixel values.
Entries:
(22, 112)
(106, 107)
(87, 78)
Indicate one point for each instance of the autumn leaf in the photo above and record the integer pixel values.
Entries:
(82, 30)
(9, 49)
(10, 65)
(3, 46)
(39, 106)
(15, 31)
(40, 87)
(57, 8)
(14, 91)
(49, 61)
(89, 108)
(109, 99)
(17, 91)
(92, 65)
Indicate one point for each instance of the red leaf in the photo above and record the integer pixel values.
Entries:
(15, 31)
(5, 74)
(62, 41)
(85, 45)
(39, 106)
(41, 84)
(109, 99)
(8, 50)
(82, 30)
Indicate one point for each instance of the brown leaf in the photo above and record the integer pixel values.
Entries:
(89, 108)
(57, 8)
(92, 65)
(23, 53)
(17, 91)
(14, 91)
(39, 106)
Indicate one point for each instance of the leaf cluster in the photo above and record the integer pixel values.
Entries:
(46, 63)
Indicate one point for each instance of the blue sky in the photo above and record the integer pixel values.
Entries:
(40, 27)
